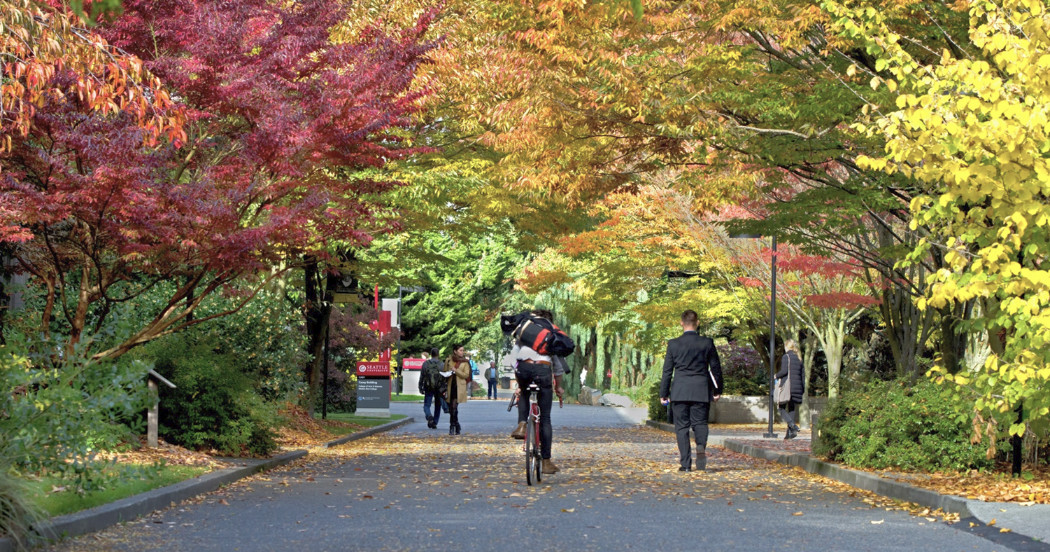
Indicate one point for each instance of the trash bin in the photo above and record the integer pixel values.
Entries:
(504, 382)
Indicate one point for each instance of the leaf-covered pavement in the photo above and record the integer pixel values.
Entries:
(619, 489)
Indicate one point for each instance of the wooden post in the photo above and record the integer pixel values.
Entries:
(151, 416)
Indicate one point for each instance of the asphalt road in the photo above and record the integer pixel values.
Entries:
(619, 489)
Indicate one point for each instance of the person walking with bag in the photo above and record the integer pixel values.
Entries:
(457, 367)
(692, 380)
(791, 387)
(432, 387)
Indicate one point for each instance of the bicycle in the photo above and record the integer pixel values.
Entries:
(531, 446)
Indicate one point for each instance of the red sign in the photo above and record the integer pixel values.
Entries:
(413, 364)
(374, 368)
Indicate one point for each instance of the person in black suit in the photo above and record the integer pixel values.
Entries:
(692, 380)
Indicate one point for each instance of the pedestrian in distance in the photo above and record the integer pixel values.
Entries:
(546, 373)
(692, 380)
(432, 386)
(457, 370)
(790, 387)
(492, 375)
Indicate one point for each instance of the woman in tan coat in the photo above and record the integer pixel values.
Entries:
(457, 386)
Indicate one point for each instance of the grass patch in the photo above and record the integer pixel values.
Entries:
(67, 502)
(404, 397)
(366, 421)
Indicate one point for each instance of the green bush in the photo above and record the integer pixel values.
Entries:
(265, 336)
(214, 405)
(896, 424)
(57, 411)
(61, 410)
(341, 391)
(657, 411)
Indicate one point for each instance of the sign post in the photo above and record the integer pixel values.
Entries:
(373, 388)
(410, 374)
(373, 377)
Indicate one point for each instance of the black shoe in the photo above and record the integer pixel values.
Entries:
(701, 462)
(458, 429)
(685, 469)
(451, 431)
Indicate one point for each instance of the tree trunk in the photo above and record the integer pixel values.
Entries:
(833, 354)
(809, 355)
(953, 342)
(318, 311)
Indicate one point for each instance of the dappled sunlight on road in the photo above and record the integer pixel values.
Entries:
(448, 482)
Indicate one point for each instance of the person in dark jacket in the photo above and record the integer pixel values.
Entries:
(692, 380)
(791, 387)
(432, 387)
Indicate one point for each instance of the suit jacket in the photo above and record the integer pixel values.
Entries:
(689, 366)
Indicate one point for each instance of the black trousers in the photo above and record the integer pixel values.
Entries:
(788, 413)
(453, 406)
(540, 374)
(690, 415)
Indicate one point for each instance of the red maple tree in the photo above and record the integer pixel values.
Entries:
(279, 115)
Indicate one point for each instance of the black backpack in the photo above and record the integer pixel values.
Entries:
(431, 376)
(538, 333)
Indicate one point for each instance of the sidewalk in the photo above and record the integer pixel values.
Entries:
(1014, 525)
(101, 517)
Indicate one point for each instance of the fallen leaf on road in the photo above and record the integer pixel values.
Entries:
(1004, 530)
(568, 510)
(873, 522)
(797, 514)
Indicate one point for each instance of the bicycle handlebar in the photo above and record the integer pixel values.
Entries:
(514, 399)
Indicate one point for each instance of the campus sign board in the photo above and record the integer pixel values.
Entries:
(377, 368)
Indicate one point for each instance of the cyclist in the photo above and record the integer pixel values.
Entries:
(546, 372)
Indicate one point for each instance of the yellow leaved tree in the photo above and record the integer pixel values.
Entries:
(972, 130)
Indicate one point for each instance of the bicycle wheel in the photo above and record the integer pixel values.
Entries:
(529, 451)
(536, 461)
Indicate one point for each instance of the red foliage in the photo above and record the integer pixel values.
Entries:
(349, 328)
(812, 264)
(840, 300)
(279, 117)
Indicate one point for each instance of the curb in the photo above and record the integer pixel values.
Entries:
(368, 432)
(127, 509)
(861, 480)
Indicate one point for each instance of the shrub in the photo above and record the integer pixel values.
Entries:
(214, 405)
(657, 411)
(743, 371)
(59, 411)
(342, 391)
(896, 424)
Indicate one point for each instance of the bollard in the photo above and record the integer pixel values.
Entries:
(151, 414)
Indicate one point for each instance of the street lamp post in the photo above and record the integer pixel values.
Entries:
(772, 337)
(772, 330)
